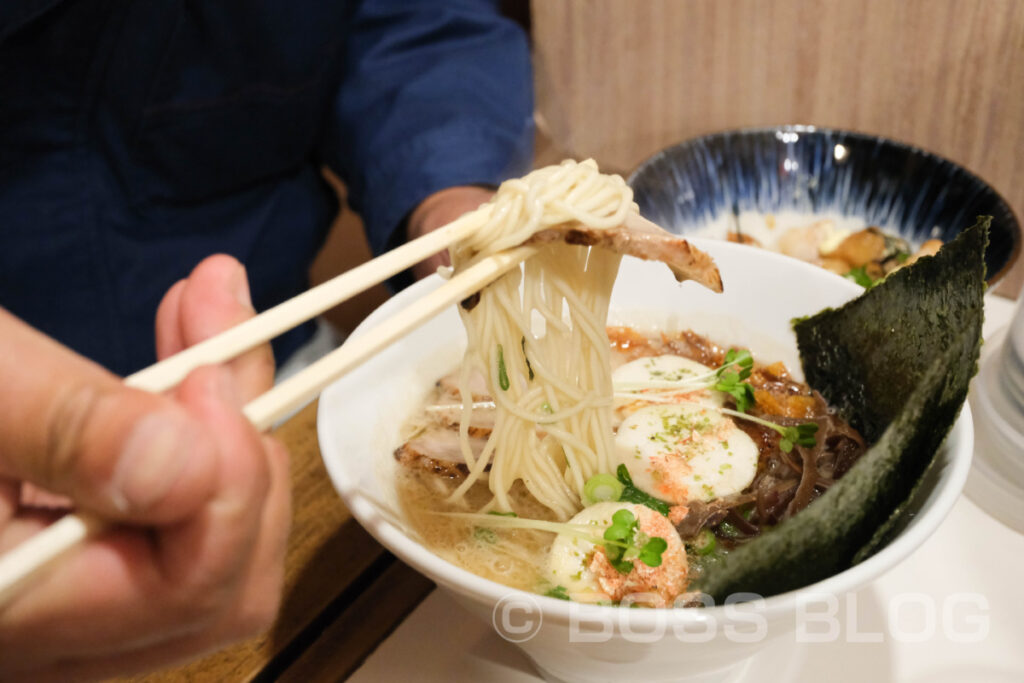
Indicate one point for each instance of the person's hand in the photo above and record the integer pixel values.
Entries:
(200, 497)
(438, 210)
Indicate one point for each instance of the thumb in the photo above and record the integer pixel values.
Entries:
(73, 428)
(212, 299)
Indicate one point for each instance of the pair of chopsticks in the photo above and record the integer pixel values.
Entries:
(20, 564)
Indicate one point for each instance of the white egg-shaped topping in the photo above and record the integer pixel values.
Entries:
(687, 451)
(582, 568)
(667, 377)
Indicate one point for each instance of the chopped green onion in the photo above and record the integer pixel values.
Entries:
(485, 535)
(502, 373)
(705, 542)
(601, 488)
(558, 592)
(502, 514)
(529, 368)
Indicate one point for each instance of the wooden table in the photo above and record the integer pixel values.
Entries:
(343, 593)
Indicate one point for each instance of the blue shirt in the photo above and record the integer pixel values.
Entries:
(138, 137)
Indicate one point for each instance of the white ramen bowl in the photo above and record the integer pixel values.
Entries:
(360, 416)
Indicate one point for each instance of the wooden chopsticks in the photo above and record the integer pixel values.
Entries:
(311, 303)
(22, 563)
(305, 385)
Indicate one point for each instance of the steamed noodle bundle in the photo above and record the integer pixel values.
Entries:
(538, 335)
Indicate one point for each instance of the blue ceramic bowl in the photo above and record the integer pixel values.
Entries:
(902, 189)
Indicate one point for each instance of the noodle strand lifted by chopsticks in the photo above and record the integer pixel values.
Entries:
(537, 335)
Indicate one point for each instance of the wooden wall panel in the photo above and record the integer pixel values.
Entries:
(617, 79)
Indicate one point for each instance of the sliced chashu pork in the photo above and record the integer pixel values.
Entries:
(641, 238)
(438, 451)
(448, 408)
(449, 385)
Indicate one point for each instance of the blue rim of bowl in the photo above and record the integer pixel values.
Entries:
(1004, 207)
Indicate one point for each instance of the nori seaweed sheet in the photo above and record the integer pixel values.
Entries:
(896, 364)
(867, 357)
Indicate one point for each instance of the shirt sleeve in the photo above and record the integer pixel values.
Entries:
(434, 93)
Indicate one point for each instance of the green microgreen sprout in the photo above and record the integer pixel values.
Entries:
(737, 361)
(622, 530)
(732, 375)
(638, 546)
(799, 435)
(498, 513)
(650, 553)
(734, 370)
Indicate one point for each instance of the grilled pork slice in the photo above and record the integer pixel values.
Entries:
(449, 403)
(643, 239)
(449, 385)
(437, 451)
(450, 415)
